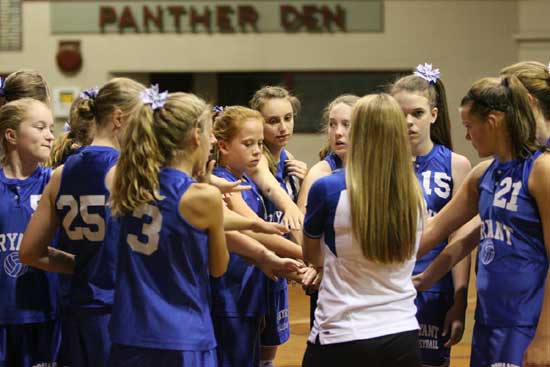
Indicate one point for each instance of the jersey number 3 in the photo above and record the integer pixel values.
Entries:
(151, 230)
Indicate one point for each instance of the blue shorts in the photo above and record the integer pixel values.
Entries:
(27, 345)
(127, 356)
(432, 307)
(500, 346)
(277, 329)
(238, 341)
(85, 338)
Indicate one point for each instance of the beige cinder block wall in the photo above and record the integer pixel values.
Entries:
(465, 39)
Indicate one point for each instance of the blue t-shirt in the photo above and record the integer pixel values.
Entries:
(28, 295)
(434, 173)
(241, 291)
(83, 214)
(512, 262)
(162, 298)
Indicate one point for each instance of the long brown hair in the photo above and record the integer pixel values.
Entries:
(386, 206)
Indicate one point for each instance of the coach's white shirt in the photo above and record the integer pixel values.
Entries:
(359, 299)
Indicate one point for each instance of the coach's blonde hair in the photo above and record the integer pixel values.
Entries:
(386, 204)
(258, 101)
(11, 116)
(152, 140)
(227, 124)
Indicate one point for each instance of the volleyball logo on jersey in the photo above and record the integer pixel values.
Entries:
(487, 251)
(13, 267)
(94, 223)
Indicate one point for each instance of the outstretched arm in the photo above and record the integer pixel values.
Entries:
(456, 213)
(270, 187)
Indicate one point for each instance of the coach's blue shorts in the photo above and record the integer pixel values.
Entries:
(238, 341)
(500, 346)
(432, 307)
(27, 345)
(277, 327)
(85, 340)
(127, 356)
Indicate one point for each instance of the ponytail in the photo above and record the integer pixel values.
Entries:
(62, 147)
(521, 123)
(136, 179)
(152, 140)
(509, 97)
(440, 130)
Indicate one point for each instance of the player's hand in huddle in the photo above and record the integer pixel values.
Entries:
(261, 226)
(296, 168)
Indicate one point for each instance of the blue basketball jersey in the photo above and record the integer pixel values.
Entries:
(162, 296)
(241, 291)
(333, 161)
(28, 295)
(512, 261)
(434, 173)
(81, 207)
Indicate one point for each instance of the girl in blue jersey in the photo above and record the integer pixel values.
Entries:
(513, 310)
(278, 175)
(535, 77)
(363, 232)
(75, 202)
(29, 330)
(278, 108)
(240, 296)
(440, 171)
(336, 124)
(171, 237)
